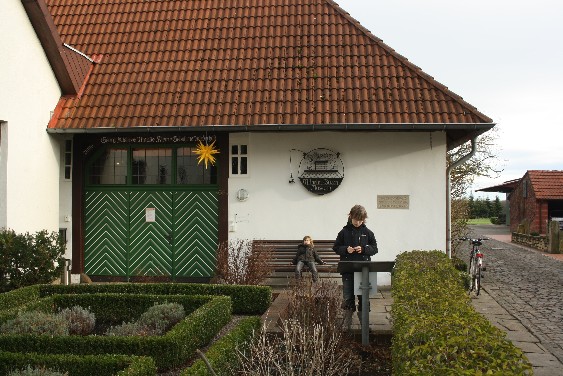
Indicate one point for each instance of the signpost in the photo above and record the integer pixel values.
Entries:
(365, 267)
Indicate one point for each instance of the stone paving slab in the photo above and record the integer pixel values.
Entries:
(522, 297)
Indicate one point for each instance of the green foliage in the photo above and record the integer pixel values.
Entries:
(80, 321)
(163, 316)
(170, 350)
(436, 330)
(80, 365)
(36, 371)
(29, 259)
(484, 208)
(155, 321)
(246, 300)
(222, 355)
(37, 323)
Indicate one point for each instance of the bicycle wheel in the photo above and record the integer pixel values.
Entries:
(471, 275)
(478, 279)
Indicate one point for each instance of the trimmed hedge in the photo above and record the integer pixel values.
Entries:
(222, 355)
(80, 365)
(246, 300)
(437, 331)
(170, 350)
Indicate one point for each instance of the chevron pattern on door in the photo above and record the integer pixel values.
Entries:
(106, 233)
(150, 242)
(195, 233)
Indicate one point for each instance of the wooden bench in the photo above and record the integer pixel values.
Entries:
(285, 250)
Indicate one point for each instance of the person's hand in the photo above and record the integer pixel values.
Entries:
(358, 249)
(350, 249)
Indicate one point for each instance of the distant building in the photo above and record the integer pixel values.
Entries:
(534, 199)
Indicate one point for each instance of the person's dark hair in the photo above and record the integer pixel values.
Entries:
(358, 212)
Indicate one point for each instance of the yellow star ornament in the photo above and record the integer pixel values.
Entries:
(205, 153)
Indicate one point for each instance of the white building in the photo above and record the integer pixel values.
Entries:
(310, 112)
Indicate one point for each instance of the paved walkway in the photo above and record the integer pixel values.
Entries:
(523, 289)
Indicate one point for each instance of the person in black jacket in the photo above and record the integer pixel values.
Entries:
(355, 242)
(306, 255)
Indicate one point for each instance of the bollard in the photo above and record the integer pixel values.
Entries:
(65, 279)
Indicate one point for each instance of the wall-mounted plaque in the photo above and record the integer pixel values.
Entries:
(321, 171)
(393, 201)
(150, 214)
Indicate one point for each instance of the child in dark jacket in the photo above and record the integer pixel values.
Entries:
(355, 242)
(306, 255)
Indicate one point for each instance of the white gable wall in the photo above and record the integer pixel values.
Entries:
(375, 163)
(29, 158)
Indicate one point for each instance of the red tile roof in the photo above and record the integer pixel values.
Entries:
(69, 67)
(547, 184)
(200, 63)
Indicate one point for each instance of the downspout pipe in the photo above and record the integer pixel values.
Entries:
(461, 161)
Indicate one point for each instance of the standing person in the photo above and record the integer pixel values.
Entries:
(355, 242)
(306, 255)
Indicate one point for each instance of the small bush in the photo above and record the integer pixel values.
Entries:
(31, 371)
(162, 317)
(29, 259)
(155, 321)
(80, 321)
(38, 323)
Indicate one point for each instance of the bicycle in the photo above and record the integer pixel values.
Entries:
(475, 264)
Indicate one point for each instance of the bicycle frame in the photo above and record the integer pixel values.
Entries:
(475, 264)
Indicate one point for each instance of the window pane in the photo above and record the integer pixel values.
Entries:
(243, 149)
(234, 165)
(243, 163)
(152, 166)
(234, 149)
(189, 172)
(110, 167)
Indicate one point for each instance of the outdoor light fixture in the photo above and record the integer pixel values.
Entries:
(242, 194)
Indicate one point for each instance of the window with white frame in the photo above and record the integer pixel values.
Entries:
(67, 159)
(239, 159)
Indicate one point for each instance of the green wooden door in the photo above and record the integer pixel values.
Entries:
(150, 234)
(195, 233)
(150, 212)
(106, 233)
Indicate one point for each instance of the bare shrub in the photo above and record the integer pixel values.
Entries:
(310, 342)
(313, 303)
(240, 262)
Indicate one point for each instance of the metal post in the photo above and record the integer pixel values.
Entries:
(365, 287)
(66, 272)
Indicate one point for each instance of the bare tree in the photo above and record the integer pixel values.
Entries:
(241, 262)
(483, 163)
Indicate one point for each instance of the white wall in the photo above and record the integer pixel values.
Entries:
(375, 164)
(29, 157)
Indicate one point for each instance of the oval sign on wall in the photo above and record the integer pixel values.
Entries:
(321, 171)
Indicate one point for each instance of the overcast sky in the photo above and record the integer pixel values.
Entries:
(503, 57)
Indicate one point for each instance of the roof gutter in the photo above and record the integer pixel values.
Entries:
(424, 127)
(460, 161)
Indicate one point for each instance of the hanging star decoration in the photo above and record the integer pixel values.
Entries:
(206, 153)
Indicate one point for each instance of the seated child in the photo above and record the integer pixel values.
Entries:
(306, 255)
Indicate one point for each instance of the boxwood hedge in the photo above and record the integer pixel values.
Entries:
(436, 331)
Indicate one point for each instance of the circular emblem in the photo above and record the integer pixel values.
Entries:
(321, 171)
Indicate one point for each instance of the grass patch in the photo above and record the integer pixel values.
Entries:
(479, 221)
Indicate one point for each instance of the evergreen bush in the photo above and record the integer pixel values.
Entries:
(29, 259)
(80, 320)
(38, 323)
